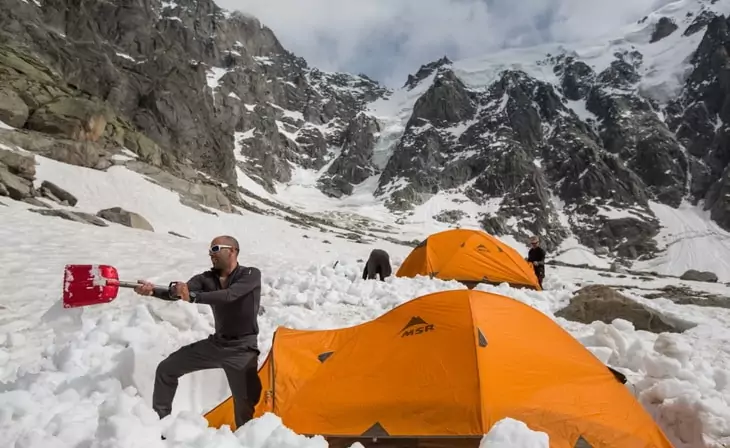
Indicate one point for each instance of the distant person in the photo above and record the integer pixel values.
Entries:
(378, 264)
(233, 292)
(536, 256)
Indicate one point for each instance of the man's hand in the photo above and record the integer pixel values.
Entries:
(145, 288)
(181, 290)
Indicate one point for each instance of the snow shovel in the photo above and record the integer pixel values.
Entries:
(93, 284)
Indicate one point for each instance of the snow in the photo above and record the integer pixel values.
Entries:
(692, 241)
(4, 125)
(511, 433)
(125, 56)
(214, 75)
(83, 377)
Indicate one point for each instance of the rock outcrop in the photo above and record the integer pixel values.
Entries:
(126, 218)
(190, 88)
(602, 303)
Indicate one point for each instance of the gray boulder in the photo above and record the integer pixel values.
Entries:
(699, 276)
(17, 171)
(58, 194)
(126, 218)
(13, 110)
(603, 303)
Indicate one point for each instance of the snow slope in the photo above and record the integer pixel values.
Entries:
(84, 377)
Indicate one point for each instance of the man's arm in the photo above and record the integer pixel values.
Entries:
(244, 284)
(530, 255)
(194, 284)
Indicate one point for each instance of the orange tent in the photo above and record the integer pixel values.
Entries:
(444, 368)
(469, 256)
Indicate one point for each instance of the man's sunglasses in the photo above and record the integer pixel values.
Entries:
(219, 247)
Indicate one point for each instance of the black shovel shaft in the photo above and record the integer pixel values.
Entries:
(158, 290)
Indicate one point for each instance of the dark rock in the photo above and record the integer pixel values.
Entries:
(631, 129)
(73, 118)
(354, 164)
(576, 78)
(696, 117)
(445, 103)
(125, 217)
(22, 164)
(699, 276)
(57, 193)
(86, 154)
(425, 71)
(663, 28)
(193, 193)
(699, 22)
(36, 202)
(81, 217)
(602, 303)
(450, 216)
(683, 295)
(13, 110)
(14, 186)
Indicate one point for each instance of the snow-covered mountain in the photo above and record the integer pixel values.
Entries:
(605, 148)
(575, 141)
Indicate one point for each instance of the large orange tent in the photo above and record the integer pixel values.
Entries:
(469, 255)
(444, 368)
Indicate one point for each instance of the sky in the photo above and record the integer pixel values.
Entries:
(388, 39)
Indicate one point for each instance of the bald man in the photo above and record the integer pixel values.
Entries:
(234, 293)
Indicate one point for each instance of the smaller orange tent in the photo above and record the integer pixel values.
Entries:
(442, 369)
(468, 255)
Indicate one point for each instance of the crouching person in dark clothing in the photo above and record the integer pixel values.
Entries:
(536, 256)
(233, 292)
(378, 264)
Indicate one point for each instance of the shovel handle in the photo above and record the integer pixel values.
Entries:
(159, 290)
(122, 284)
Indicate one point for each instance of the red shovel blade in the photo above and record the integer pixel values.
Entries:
(89, 284)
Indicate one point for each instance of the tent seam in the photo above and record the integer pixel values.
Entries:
(476, 361)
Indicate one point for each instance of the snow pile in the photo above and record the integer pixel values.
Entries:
(511, 433)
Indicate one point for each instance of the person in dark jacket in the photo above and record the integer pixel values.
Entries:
(234, 293)
(536, 256)
(378, 264)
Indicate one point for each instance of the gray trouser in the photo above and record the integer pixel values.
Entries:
(238, 359)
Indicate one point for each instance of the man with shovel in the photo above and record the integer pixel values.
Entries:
(233, 292)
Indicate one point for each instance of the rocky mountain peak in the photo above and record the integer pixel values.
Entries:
(576, 77)
(446, 101)
(425, 71)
